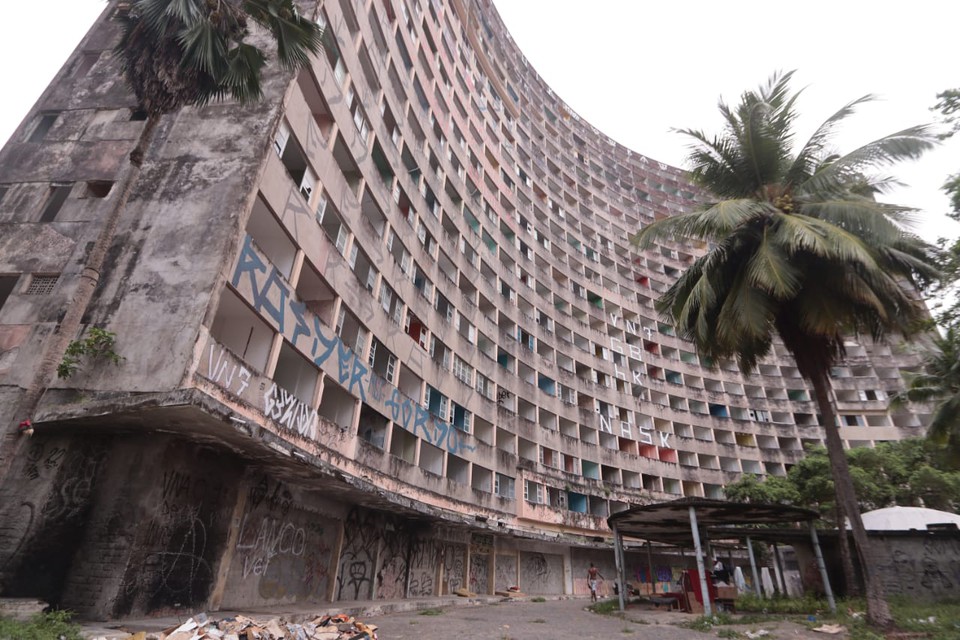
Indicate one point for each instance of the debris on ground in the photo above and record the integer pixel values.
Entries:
(338, 627)
(832, 629)
(465, 593)
(756, 634)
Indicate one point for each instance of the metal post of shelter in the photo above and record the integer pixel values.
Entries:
(753, 568)
(707, 611)
(823, 567)
(618, 559)
(783, 578)
(650, 566)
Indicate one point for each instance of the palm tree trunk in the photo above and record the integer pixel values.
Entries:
(851, 584)
(66, 332)
(878, 611)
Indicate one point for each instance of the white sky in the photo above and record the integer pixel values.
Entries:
(636, 69)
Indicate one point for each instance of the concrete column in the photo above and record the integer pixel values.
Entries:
(236, 526)
(653, 579)
(704, 591)
(753, 568)
(823, 567)
(335, 563)
(617, 558)
(779, 564)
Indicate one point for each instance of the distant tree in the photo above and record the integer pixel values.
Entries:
(772, 490)
(799, 249)
(939, 385)
(909, 472)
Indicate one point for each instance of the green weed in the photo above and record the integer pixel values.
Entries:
(55, 625)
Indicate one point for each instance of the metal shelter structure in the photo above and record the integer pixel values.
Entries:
(690, 522)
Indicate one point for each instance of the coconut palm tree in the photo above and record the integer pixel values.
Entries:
(939, 382)
(173, 54)
(798, 249)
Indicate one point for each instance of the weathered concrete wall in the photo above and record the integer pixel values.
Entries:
(113, 526)
(44, 509)
(454, 567)
(505, 573)
(179, 229)
(286, 546)
(541, 572)
(172, 505)
(925, 566)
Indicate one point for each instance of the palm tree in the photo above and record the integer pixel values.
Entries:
(174, 53)
(940, 382)
(799, 249)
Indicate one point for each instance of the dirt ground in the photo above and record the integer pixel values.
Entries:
(568, 619)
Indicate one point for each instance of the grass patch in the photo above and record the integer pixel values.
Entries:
(750, 603)
(538, 599)
(936, 621)
(729, 633)
(432, 612)
(55, 625)
(605, 607)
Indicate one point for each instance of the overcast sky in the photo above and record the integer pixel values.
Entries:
(637, 69)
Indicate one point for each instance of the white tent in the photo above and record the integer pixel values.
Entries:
(906, 518)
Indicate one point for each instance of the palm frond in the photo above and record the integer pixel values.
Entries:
(715, 221)
(770, 269)
(834, 174)
(296, 36)
(945, 422)
(816, 146)
(803, 234)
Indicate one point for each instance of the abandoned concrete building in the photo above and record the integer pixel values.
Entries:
(383, 334)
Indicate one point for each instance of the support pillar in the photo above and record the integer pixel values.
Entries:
(753, 569)
(783, 578)
(704, 591)
(653, 580)
(823, 567)
(618, 559)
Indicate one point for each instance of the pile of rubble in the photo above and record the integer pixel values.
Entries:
(338, 627)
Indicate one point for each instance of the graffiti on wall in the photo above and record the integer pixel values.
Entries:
(176, 553)
(360, 544)
(454, 561)
(290, 412)
(541, 573)
(424, 561)
(930, 566)
(479, 572)
(283, 551)
(505, 571)
(265, 288)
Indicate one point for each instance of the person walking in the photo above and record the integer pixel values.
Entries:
(593, 574)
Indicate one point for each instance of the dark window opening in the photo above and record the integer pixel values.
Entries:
(7, 285)
(137, 115)
(98, 189)
(56, 198)
(84, 63)
(46, 122)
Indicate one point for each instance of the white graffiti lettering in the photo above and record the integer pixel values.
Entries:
(288, 411)
(221, 371)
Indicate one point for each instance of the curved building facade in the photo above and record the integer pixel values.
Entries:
(383, 335)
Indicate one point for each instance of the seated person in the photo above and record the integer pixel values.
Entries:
(720, 571)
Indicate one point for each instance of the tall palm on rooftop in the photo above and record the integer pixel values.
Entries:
(174, 54)
(799, 249)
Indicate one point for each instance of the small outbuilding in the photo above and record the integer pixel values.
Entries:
(692, 522)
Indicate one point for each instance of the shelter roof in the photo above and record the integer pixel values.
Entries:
(669, 522)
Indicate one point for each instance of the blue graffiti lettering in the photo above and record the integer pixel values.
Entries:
(267, 285)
